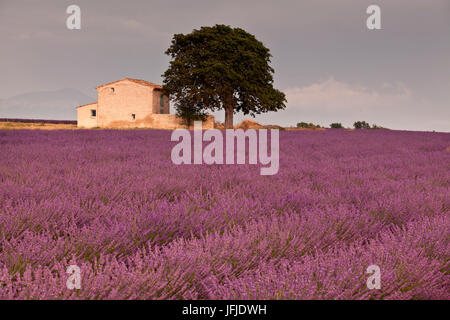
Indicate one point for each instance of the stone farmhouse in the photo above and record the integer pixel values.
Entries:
(131, 103)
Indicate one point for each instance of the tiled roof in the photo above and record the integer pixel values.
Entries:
(141, 82)
(88, 104)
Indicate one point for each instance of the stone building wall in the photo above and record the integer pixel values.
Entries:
(84, 116)
(124, 101)
(157, 108)
(160, 121)
(131, 103)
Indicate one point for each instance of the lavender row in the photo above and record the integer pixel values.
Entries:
(141, 227)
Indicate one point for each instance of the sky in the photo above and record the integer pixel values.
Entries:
(331, 67)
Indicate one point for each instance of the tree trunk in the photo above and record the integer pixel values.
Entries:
(229, 117)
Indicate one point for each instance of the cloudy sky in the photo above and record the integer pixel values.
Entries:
(331, 67)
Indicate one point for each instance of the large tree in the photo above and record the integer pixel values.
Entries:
(217, 68)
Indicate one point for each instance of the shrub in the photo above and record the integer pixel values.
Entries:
(336, 125)
(306, 125)
(361, 125)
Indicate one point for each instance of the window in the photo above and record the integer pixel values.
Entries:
(133, 116)
(111, 90)
(93, 113)
(161, 101)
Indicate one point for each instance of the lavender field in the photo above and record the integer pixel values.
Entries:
(140, 227)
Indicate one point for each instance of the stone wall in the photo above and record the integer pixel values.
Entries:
(124, 101)
(84, 118)
(127, 104)
(159, 121)
(157, 103)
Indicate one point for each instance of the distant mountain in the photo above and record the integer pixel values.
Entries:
(53, 105)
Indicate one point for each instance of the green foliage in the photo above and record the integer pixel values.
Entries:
(365, 125)
(190, 112)
(220, 68)
(336, 125)
(361, 125)
(307, 125)
(374, 126)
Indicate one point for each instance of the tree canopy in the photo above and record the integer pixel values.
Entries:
(361, 125)
(336, 125)
(220, 68)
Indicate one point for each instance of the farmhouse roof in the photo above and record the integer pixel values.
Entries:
(138, 81)
(87, 104)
